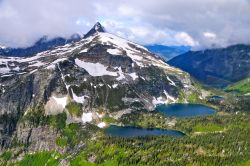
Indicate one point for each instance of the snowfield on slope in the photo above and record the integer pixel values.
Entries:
(47, 59)
(94, 69)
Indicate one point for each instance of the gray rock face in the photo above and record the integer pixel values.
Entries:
(98, 72)
(22, 94)
(97, 28)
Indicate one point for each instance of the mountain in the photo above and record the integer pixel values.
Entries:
(96, 28)
(168, 52)
(100, 77)
(42, 44)
(2, 47)
(216, 67)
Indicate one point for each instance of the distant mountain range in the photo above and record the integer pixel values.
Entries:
(168, 52)
(216, 67)
(42, 44)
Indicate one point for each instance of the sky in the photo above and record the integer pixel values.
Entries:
(197, 23)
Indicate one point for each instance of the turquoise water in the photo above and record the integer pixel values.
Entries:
(120, 131)
(185, 110)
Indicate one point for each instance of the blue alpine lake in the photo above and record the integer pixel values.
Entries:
(216, 98)
(185, 110)
(120, 131)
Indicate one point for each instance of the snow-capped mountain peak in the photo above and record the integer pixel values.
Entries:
(95, 29)
(98, 27)
(88, 49)
(2, 47)
(100, 71)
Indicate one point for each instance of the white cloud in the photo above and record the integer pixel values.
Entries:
(209, 35)
(140, 31)
(185, 39)
(193, 22)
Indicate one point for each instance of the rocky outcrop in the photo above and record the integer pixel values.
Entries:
(42, 138)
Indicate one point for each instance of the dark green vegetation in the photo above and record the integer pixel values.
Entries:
(5, 157)
(210, 149)
(207, 128)
(219, 139)
(223, 140)
(74, 109)
(58, 121)
(40, 158)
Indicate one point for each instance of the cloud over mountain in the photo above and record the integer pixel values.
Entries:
(196, 23)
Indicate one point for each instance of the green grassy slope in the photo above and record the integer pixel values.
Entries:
(241, 87)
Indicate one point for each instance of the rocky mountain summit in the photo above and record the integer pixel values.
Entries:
(101, 76)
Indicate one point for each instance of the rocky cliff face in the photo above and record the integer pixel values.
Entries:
(99, 76)
(216, 67)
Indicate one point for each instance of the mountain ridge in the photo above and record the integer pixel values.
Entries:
(216, 67)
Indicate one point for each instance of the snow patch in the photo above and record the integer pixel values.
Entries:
(52, 65)
(114, 85)
(158, 100)
(83, 51)
(2, 47)
(33, 71)
(100, 84)
(171, 81)
(143, 78)
(5, 70)
(94, 69)
(87, 117)
(61, 101)
(121, 75)
(133, 75)
(114, 51)
(124, 45)
(101, 125)
(247, 94)
(37, 64)
(169, 97)
(78, 99)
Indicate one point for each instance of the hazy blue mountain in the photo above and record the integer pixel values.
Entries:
(168, 52)
(216, 67)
